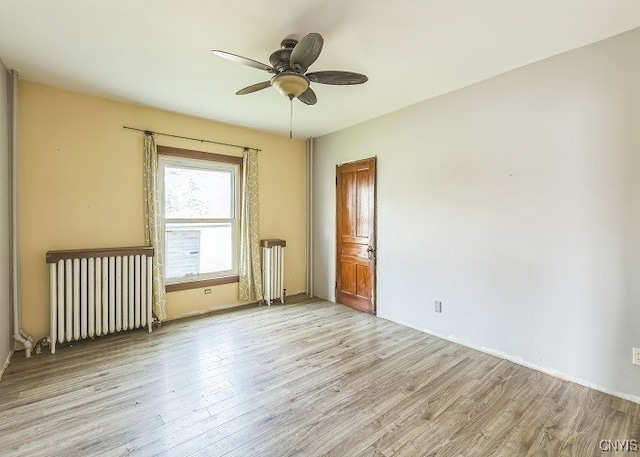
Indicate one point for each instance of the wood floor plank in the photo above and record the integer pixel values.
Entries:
(306, 379)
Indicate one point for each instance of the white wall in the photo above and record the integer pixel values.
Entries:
(516, 202)
(5, 259)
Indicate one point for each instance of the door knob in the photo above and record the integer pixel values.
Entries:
(370, 251)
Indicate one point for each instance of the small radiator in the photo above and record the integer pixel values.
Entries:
(273, 270)
(99, 291)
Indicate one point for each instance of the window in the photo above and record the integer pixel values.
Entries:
(200, 207)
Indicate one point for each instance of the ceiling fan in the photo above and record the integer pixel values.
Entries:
(289, 66)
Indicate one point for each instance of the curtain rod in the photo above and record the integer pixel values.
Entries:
(150, 132)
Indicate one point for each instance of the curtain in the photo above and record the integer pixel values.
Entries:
(152, 227)
(250, 270)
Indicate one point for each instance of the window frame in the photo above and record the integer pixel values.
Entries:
(183, 157)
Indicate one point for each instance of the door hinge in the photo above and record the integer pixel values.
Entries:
(336, 180)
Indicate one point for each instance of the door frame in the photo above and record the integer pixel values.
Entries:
(374, 236)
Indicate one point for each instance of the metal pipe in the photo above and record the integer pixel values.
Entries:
(18, 334)
(309, 285)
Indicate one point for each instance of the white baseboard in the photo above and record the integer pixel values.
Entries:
(6, 364)
(524, 363)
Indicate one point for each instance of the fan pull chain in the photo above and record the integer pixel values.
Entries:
(291, 118)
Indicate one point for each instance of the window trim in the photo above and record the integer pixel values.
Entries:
(166, 152)
(209, 156)
(201, 283)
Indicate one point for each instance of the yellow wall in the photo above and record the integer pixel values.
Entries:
(80, 186)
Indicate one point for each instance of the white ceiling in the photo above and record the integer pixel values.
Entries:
(158, 52)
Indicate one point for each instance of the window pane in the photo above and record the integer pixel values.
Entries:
(197, 193)
(194, 249)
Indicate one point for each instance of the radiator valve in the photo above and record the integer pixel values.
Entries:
(42, 342)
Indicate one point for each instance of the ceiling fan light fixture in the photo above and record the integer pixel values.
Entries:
(290, 84)
(289, 65)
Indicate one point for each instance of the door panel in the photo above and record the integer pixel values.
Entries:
(355, 220)
(363, 282)
(348, 277)
(362, 202)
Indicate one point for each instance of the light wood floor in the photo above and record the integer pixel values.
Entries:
(308, 379)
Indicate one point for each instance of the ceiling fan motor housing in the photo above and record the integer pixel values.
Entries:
(280, 58)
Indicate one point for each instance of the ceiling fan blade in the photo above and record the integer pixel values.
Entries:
(306, 51)
(254, 88)
(308, 97)
(243, 60)
(337, 78)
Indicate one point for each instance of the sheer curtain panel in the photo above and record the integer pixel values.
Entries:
(152, 229)
(250, 270)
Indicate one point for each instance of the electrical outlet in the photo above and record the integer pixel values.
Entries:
(207, 291)
(636, 356)
(438, 306)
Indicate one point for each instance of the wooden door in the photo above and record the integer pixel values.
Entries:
(356, 218)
